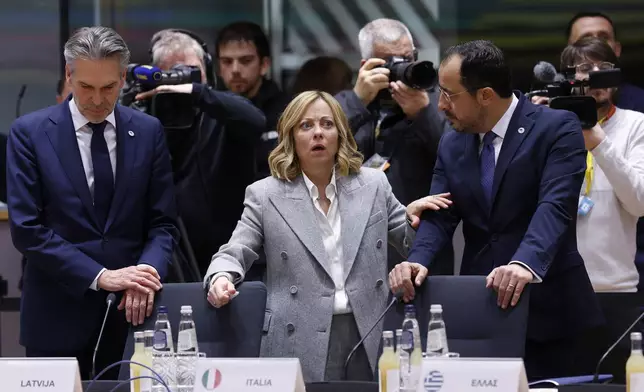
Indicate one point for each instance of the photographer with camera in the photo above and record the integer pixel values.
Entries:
(212, 160)
(397, 126)
(612, 196)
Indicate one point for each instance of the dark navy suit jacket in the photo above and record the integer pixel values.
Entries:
(54, 225)
(538, 176)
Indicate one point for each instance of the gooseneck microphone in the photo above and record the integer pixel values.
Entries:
(155, 376)
(610, 349)
(111, 297)
(397, 297)
(21, 94)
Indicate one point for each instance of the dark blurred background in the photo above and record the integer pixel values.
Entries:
(32, 32)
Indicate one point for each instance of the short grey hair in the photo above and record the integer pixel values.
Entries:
(96, 43)
(381, 31)
(170, 42)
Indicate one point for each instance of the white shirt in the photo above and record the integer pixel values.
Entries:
(500, 129)
(330, 228)
(606, 236)
(84, 138)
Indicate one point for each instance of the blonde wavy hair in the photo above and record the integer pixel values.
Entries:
(283, 160)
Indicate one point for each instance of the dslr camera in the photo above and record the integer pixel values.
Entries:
(420, 75)
(568, 93)
(174, 110)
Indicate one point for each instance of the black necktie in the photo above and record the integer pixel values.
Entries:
(103, 175)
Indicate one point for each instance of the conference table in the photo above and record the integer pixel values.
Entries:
(358, 386)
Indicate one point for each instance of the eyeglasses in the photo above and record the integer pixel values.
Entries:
(585, 68)
(447, 96)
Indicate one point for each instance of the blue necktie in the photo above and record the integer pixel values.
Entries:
(487, 166)
(103, 175)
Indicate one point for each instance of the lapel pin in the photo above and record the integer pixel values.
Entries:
(132, 133)
(520, 130)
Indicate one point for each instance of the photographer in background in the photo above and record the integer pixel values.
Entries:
(610, 203)
(399, 133)
(629, 96)
(612, 196)
(244, 59)
(597, 24)
(213, 162)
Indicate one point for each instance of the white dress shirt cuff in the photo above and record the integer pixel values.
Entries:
(535, 277)
(219, 275)
(94, 285)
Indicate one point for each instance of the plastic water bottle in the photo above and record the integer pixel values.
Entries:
(148, 338)
(410, 352)
(187, 351)
(398, 341)
(436, 333)
(163, 331)
(163, 360)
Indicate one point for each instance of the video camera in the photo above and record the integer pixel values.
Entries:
(174, 110)
(567, 93)
(420, 75)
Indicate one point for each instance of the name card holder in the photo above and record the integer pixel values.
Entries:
(40, 375)
(249, 375)
(472, 374)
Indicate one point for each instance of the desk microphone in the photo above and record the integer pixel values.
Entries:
(21, 94)
(637, 320)
(111, 297)
(397, 297)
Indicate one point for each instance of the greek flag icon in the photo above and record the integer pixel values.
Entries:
(433, 381)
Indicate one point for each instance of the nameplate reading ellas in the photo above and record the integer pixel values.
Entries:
(249, 374)
(472, 374)
(40, 375)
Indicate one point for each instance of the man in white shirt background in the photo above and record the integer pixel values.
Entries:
(614, 182)
(611, 200)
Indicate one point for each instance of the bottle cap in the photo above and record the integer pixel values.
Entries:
(387, 334)
(148, 333)
(399, 332)
(186, 308)
(410, 308)
(162, 309)
(436, 308)
(139, 335)
(636, 336)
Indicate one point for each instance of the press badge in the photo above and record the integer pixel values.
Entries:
(377, 162)
(585, 205)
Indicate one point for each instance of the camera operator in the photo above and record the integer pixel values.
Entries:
(400, 134)
(597, 24)
(612, 196)
(213, 162)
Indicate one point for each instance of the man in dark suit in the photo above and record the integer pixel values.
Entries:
(514, 171)
(91, 206)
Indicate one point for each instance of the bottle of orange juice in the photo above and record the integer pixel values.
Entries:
(388, 367)
(635, 365)
(140, 356)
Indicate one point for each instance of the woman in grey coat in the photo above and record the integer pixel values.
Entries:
(323, 222)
